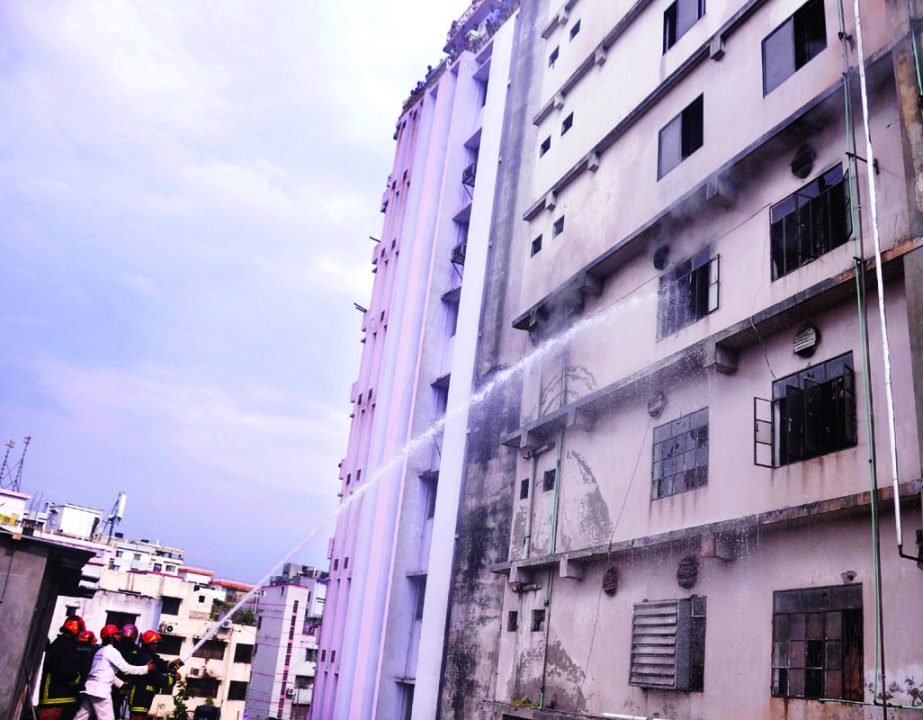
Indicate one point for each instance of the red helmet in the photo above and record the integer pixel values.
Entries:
(86, 638)
(74, 625)
(110, 631)
(150, 637)
(130, 632)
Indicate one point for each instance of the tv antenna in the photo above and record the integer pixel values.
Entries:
(11, 473)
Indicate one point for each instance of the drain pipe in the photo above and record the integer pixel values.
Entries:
(855, 209)
(885, 344)
(552, 545)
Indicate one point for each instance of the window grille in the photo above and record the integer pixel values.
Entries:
(680, 450)
(688, 292)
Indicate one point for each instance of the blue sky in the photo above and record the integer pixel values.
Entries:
(186, 195)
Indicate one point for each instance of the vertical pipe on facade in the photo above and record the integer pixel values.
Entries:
(859, 268)
(885, 344)
(552, 545)
(533, 463)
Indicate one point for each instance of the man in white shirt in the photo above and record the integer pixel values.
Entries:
(96, 698)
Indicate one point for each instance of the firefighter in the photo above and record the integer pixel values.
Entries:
(160, 680)
(128, 647)
(61, 675)
(96, 698)
(86, 649)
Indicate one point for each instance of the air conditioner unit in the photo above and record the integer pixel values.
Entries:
(166, 628)
(290, 692)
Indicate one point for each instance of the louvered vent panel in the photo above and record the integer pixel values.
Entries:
(653, 644)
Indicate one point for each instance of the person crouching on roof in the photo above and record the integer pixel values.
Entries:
(96, 698)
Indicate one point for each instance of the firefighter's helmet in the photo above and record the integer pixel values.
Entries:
(74, 625)
(130, 632)
(150, 637)
(110, 631)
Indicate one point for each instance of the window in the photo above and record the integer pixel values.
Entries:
(553, 57)
(537, 245)
(574, 30)
(809, 223)
(558, 227)
(538, 620)
(512, 621)
(237, 690)
(812, 413)
(336, 564)
(137, 556)
(567, 124)
(688, 292)
(158, 567)
(211, 650)
(794, 44)
(303, 682)
(202, 687)
(668, 644)
(201, 598)
(323, 656)
(817, 643)
(120, 619)
(259, 623)
(419, 596)
(524, 489)
(171, 644)
(406, 701)
(451, 315)
(169, 606)
(548, 479)
(680, 460)
(545, 146)
(70, 611)
(118, 553)
(678, 18)
(681, 137)
(430, 489)
(243, 653)
(171, 568)
(310, 655)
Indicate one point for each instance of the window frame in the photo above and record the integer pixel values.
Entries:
(690, 136)
(827, 192)
(798, 31)
(682, 436)
(688, 292)
(671, 31)
(834, 614)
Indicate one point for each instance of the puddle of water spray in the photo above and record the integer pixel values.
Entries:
(499, 380)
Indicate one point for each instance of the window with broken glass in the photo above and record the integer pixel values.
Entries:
(810, 222)
(668, 644)
(688, 292)
(817, 643)
(812, 413)
(680, 460)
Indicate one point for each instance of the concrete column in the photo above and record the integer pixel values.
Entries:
(913, 287)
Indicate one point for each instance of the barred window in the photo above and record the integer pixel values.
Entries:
(817, 643)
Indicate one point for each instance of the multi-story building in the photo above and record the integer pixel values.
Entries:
(391, 554)
(288, 614)
(674, 507)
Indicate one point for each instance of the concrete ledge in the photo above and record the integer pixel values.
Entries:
(768, 521)
(702, 353)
